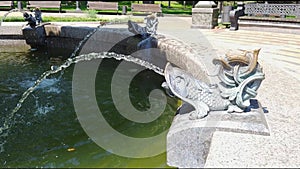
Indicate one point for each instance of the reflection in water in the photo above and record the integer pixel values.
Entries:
(45, 132)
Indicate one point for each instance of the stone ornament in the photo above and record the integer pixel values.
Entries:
(240, 75)
(151, 24)
(150, 28)
(147, 33)
(31, 20)
(135, 28)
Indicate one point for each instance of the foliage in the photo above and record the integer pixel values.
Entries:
(228, 3)
(174, 4)
(177, 11)
(128, 3)
(71, 5)
(288, 16)
(14, 19)
(92, 14)
(221, 26)
(175, 7)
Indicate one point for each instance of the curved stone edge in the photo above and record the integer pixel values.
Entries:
(188, 141)
(183, 56)
(13, 45)
(177, 52)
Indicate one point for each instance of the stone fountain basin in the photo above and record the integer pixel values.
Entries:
(168, 49)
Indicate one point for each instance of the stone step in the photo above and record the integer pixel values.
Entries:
(269, 26)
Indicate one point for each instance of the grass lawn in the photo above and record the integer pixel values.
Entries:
(74, 19)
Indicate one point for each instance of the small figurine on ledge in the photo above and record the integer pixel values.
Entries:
(147, 33)
(150, 28)
(31, 20)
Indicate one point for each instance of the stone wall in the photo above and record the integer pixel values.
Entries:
(13, 45)
(205, 17)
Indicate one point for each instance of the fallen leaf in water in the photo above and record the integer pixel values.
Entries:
(71, 149)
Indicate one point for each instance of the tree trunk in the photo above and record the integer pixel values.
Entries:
(19, 5)
(221, 6)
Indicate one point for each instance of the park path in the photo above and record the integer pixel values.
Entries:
(278, 94)
(278, 49)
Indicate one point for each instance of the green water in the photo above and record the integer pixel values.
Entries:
(45, 132)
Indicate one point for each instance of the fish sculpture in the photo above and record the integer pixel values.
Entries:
(240, 76)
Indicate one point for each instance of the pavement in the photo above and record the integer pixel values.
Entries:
(278, 93)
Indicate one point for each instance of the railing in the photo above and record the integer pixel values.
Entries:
(273, 9)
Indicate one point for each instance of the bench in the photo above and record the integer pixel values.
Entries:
(99, 5)
(154, 8)
(44, 4)
(8, 4)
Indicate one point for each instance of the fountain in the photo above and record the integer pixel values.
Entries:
(240, 76)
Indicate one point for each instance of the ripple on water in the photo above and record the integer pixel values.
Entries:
(47, 85)
(43, 110)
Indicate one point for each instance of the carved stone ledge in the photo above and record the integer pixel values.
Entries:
(188, 141)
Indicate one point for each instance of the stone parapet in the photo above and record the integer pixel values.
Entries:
(206, 18)
(205, 15)
(188, 141)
